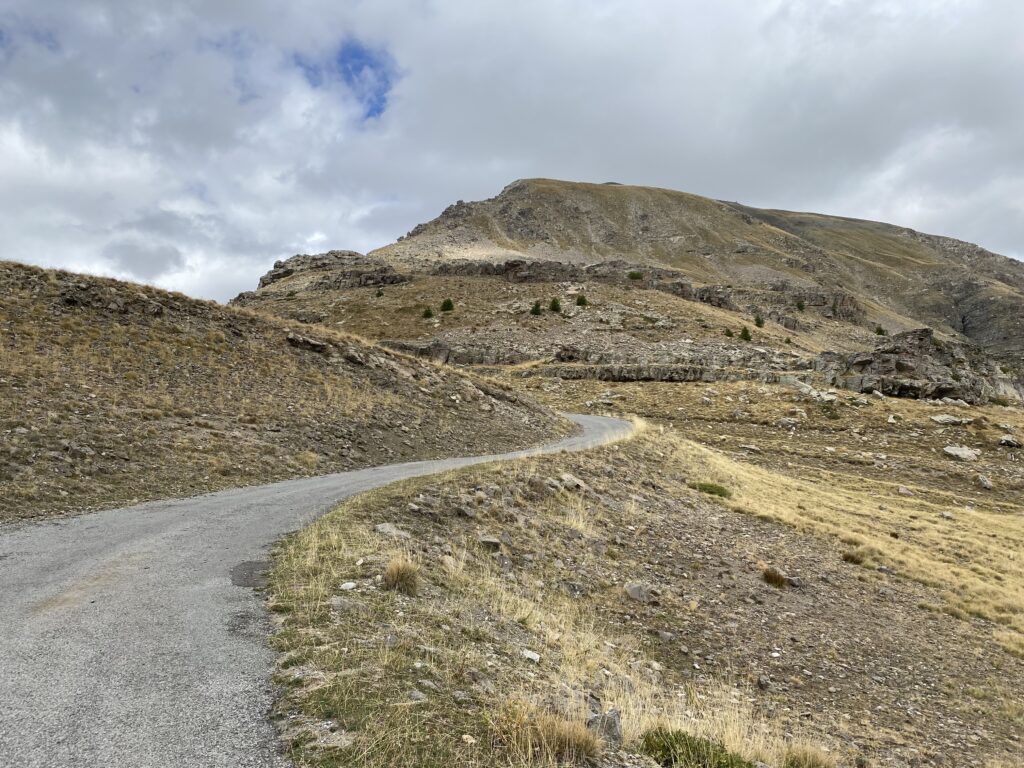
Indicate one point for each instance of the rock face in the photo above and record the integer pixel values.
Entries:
(916, 364)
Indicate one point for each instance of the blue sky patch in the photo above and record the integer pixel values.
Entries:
(368, 73)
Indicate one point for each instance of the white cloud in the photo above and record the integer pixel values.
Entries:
(184, 144)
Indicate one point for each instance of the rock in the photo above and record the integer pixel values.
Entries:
(636, 591)
(490, 542)
(984, 482)
(904, 491)
(1009, 441)
(573, 483)
(348, 586)
(417, 697)
(947, 420)
(608, 726)
(962, 452)
(388, 529)
(531, 655)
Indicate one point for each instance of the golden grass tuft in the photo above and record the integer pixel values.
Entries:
(774, 576)
(799, 755)
(402, 575)
(540, 738)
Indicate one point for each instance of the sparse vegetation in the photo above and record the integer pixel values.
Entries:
(759, 321)
(555, 305)
(634, 275)
(745, 334)
(535, 309)
(538, 737)
(712, 489)
(581, 301)
(800, 306)
(880, 331)
(728, 333)
(447, 305)
(428, 313)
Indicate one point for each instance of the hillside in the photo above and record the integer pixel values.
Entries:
(115, 393)
(915, 279)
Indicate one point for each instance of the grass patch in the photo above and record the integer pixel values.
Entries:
(711, 489)
(402, 575)
(678, 749)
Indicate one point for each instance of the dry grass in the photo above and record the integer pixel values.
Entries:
(467, 616)
(402, 575)
(535, 737)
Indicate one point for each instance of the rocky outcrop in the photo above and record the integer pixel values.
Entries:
(916, 364)
(655, 372)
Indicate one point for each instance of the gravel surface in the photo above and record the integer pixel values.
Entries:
(133, 637)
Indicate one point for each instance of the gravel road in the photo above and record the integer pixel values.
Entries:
(133, 637)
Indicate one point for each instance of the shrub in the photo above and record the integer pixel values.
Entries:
(379, 293)
(774, 576)
(880, 331)
(712, 489)
(788, 340)
(759, 321)
(447, 305)
(428, 313)
(635, 275)
(745, 333)
(800, 306)
(677, 749)
(555, 305)
(535, 309)
(729, 333)
(402, 575)
(581, 301)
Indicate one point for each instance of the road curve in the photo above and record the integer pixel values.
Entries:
(132, 637)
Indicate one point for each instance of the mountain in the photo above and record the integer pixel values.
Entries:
(916, 279)
(672, 279)
(115, 393)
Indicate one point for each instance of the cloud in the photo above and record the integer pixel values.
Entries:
(191, 145)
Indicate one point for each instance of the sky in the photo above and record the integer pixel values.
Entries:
(191, 144)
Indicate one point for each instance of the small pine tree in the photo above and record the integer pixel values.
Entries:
(380, 292)
(880, 331)
(745, 333)
(428, 313)
(581, 301)
(555, 305)
(728, 332)
(535, 309)
(800, 305)
(447, 305)
(789, 340)
(636, 275)
(759, 321)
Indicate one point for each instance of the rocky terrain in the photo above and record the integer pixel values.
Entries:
(811, 557)
(580, 604)
(115, 393)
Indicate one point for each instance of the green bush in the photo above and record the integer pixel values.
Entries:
(880, 331)
(379, 293)
(428, 313)
(789, 340)
(745, 333)
(712, 489)
(447, 305)
(729, 333)
(535, 309)
(759, 321)
(635, 275)
(555, 305)
(581, 301)
(800, 306)
(678, 749)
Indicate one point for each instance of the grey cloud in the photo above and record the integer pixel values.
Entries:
(185, 146)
